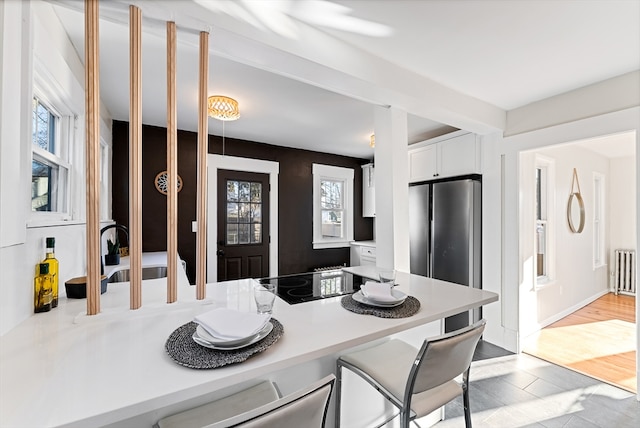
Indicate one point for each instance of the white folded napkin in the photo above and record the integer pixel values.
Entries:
(230, 324)
(378, 292)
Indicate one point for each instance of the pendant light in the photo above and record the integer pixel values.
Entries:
(222, 108)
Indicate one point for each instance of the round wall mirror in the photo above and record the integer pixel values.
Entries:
(575, 213)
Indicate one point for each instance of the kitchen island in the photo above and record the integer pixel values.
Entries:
(63, 368)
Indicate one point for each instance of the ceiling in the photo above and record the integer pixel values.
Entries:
(309, 73)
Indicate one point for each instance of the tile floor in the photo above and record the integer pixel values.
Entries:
(509, 391)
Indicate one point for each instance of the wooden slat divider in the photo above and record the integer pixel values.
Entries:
(92, 110)
(135, 156)
(172, 167)
(203, 143)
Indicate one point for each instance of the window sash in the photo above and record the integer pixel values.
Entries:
(544, 224)
(44, 127)
(332, 194)
(541, 248)
(333, 223)
(51, 184)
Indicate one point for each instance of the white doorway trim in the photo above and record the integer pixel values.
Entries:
(217, 162)
(607, 124)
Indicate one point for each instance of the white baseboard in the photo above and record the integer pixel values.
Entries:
(542, 324)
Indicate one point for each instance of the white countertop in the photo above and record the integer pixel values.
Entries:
(64, 368)
(364, 243)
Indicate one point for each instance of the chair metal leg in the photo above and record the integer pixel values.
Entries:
(338, 392)
(404, 419)
(465, 399)
(467, 410)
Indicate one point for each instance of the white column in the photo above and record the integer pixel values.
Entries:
(15, 117)
(392, 191)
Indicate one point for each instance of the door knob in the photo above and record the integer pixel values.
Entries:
(220, 253)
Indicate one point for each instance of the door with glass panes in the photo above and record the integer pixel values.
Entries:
(243, 225)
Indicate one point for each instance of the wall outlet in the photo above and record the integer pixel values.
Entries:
(194, 226)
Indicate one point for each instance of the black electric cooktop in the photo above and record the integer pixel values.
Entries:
(305, 287)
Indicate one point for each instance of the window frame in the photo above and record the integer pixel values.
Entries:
(60, 158)
(599, 220)
(339, 174)
(547, 207)
(64, 95)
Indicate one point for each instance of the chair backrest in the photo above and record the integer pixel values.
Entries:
(443, 358)
(304, 408)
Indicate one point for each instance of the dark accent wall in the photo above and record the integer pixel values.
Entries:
(295, 205)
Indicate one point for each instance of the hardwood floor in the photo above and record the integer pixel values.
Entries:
(597, 340)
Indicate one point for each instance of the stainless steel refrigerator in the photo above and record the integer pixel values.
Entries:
(445, 233)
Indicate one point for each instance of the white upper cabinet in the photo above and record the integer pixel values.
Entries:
(450, 155)
(368, 191)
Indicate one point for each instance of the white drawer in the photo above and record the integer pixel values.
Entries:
(368, 251)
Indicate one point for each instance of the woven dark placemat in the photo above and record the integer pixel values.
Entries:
(184, 351)
(410, 306)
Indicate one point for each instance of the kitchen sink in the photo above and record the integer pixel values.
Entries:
(147, 273)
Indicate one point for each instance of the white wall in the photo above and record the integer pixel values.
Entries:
(15, 69)
(497, 227)
(576, 282)
(622, 192)
(38, 36)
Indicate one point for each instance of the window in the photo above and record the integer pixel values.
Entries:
(544, 227)
(56, 153)
(541, 223)
(49, 169)
(598, 220)
(332, 206)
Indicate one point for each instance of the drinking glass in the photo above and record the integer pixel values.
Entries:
(265, 295)
(387, 276)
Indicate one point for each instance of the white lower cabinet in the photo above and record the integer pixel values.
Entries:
(363, 253)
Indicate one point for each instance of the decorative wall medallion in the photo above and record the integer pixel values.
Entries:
(162, 181)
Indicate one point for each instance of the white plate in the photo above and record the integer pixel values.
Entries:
(215, 340)
(359, 297)
(398, 295)
(227, 346)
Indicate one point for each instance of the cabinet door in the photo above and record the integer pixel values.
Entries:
(423, 164)
(459, 156)
(368, 191)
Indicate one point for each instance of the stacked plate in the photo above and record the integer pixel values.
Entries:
(380, 295)
(227, 329)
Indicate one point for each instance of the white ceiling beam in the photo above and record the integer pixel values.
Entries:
(316, 58)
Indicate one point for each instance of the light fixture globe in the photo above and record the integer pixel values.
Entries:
(372, 140)
(222, 108)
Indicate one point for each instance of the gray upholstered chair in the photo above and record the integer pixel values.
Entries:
(417, 382)
(259, 407)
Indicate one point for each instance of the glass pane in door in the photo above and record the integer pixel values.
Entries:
(244, 212)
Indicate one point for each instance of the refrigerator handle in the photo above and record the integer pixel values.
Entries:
(431, 242)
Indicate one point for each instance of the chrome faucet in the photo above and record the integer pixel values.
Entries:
(103, 230)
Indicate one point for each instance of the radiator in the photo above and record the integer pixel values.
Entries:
(625, 271)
